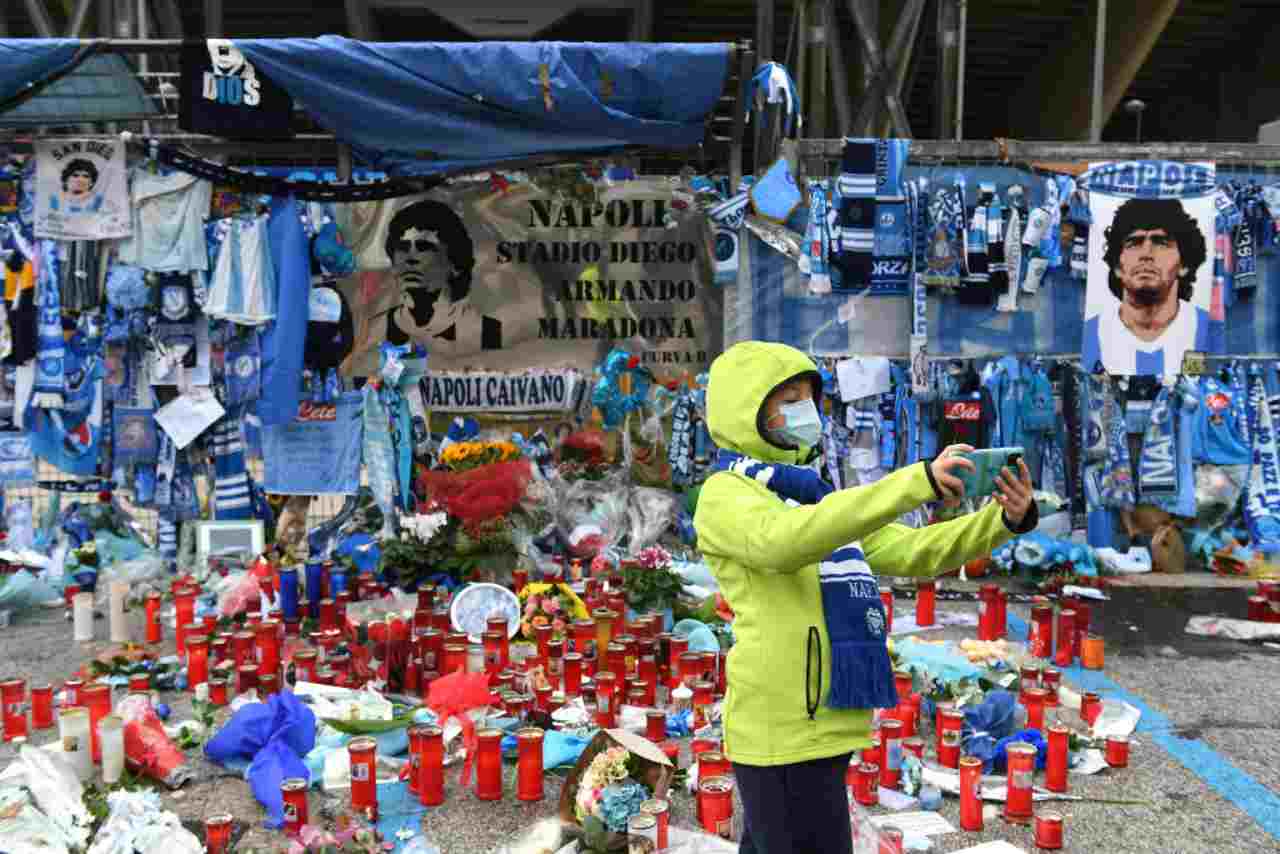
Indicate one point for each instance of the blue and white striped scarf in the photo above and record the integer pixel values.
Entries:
(861, 672)
(1262, 506)
(50, 378)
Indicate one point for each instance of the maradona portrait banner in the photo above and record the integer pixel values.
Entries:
(491, 275)
(1151, 294)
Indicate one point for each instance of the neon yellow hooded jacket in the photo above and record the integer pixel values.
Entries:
(764, 555)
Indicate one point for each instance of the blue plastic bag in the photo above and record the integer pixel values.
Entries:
(273, 736)
(986, 725)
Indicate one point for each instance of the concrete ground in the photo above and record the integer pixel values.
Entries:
(1219, 694)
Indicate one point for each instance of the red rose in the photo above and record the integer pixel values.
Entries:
(633, 363)
(104, 496)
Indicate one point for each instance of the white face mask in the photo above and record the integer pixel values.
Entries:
(802, 425)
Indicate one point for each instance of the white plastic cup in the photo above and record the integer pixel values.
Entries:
(73, 729)
(82, 616)
(111, 745)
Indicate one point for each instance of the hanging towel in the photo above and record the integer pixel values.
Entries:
(284, 340)
(243, 288)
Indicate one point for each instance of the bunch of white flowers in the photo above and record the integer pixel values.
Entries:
(423, 526)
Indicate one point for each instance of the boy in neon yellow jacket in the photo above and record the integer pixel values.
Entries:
(784, 550)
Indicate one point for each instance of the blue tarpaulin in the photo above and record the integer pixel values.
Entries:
(27, 62)
(433, 107)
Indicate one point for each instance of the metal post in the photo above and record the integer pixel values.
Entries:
(40, 19)
(75, 28)
(960, 68)
(879, 71)
(944, 97)
(817, 104)
(360, 20)
(144, 62)
(801, 22)
(1099, 65)
(739, 125)
(4, 22)
(839, 73)
(764, 53)
(214, 23)
(344, 164)
(642, 20)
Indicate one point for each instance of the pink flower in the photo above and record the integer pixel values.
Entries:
(558, 625)
(551, 606)
(530, 607)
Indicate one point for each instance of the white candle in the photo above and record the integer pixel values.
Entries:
(82, 610)
(119, 622)
(475, 658)
(111, 744)
(73, 728)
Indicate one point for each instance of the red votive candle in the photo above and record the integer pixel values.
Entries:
(655, 725)
(926, 602)
(72, 690)
(987, 612)
(1057, 761)
(1034, 700)
(606, 687)
(971, 794)
(519, 578)
(304, 664)
(1050, 679)
(660, 809)
(949, 740)
(246, 678)
(489, 765)
(155, 633)
(1090, 707)
(572, 673)
(914, 745)
(715, 802)
(430, 648)
(184, 602)
(42, 706)
(1118, 751)
(499, 625)
(267, 646)
(867, 790)
(492, 652)
(268, 684)
(529, 768)
(455, 658)
(1022, 766)
(891, 737)
(1066, 638)
(218, 691)
(296, 814)
(416, 733)
(13, 695)
(1258, 608)
(98, 698)
(555, 660)
(242, 648)
(197, 660)
(1041, 631)
(431, 767)
(902, 681)
(713, 763)
(217, 833)
(364, 776)
(328, 614)
(1049, 831)
(543, 636)
(886, 600)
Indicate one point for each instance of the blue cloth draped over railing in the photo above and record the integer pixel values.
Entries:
(432, 107)
(25, 63)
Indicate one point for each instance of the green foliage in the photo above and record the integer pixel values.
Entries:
(651, 589)
(595, 835)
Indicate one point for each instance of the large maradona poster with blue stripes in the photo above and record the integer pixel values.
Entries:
(1152, 295)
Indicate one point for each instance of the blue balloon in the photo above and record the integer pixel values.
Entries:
(162, 711)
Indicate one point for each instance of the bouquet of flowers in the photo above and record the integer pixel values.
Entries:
(650, 582)
(549, 604)
(582, 456)
(615, 774)
(464, 456)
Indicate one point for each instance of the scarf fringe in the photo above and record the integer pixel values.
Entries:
(47, 400)
(861, 676)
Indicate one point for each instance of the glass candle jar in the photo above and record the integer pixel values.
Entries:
(98, 699)
(555, 660)
(660, 809)
(677, 647)
(296, 812)
(1022, 766)
(1090, 707)
(1049, 831)
(529, 784)
(1065, 653)
(268, 684)
(1034, 701)
(926, 601)
(267, 646)
(971, 794)
(217, 833)
(246, 678)
(218, 691)
(304, 663)
(328, 614)
(431, 766)
(949, 738)
(715, 802)
(489, 764)
(1118, 751)
(152, 603)
(82, 615)
(242, 649)
(364, 776)
(455, 658)
(1050, 679)
(713, 763)
(74, 730)
(111, 744)
(42, 706)
(519, 578)
(184, 603)
(1057, 760)
(891, 737)
(71, 692)
(197, 661)
(13, 697)
(690, 668)
(499, 625)
(584, 637)
(1092, 654)
(655, 725)
(866, 790)
(606, 687)
(492, 652)
(642, 834)
(572, 673)
(615, 660)
(1041, 631)
(604, 627)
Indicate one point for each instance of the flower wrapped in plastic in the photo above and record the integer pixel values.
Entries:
(544, 604)
(592, 515)
(477, 496)
(619, 802)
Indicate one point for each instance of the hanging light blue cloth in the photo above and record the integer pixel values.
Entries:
(774, 81)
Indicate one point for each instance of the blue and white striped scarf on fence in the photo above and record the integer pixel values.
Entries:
(861, 672)
(50, 384)
(1262, 506)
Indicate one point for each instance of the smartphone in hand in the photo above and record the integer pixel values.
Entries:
(981, 482)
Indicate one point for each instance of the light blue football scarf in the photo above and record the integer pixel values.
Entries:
(1262, 506)
(1165, 477)
(50, 375)
(231, 479)
(817, 240)
(861, 672)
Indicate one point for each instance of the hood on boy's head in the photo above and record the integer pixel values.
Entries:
(741, 379)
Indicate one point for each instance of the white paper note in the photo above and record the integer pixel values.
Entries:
(186, 417)
(923, 823)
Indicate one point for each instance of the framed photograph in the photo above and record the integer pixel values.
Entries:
(245, 537)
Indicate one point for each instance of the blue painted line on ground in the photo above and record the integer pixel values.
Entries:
(1255, 799)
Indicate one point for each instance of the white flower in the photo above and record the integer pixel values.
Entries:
(424, 527)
